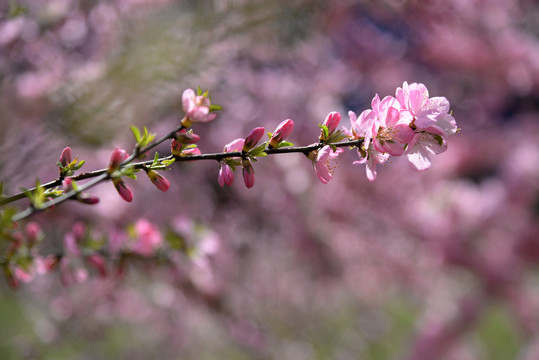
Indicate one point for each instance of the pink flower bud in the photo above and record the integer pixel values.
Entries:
(123, 190)
(226, 175)
(282, 132)
(191, 151)
(253, 138)
(33, 233)
(98, 263)
(67, 184)
(331, 122)
(71, 245)
(65, 157)
(23, 275)
(116, 158)
(149, 238)
(158, 180)
(184, 137)
(88, 199)
(248, 174)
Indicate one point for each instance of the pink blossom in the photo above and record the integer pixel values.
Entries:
(423, 146)
(362, 128)
(283, 130)
(391, 132)
(148, 238)
(197, 107)
(116, 158)
(158, 180)
(417, 108)
(324, 163)
(430, 141)
(253, 138)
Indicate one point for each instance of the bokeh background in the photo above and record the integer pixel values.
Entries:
(417, 265)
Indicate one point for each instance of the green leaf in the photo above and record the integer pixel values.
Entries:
(215, 107)
(168, 162)
(325, 130)
(155, 158)
(136, 133)
(259, 150)
(283, 144)
(79, 165)
(199, 91)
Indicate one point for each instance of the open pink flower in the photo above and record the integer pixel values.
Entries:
(197, 107)
(324, 163)
(391, 132)
(417, 108)
(362, 128)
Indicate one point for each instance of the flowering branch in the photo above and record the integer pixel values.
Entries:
(411, 124)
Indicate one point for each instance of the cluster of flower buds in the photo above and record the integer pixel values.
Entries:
(23, 263)
(249, 152)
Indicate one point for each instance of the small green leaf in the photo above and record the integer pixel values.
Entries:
(168, 162)
(325, 130)
(155, 158)
(215, 107)
(199, 91)
(283, 144)
(259, 150)
(136, 133)
(79, 165)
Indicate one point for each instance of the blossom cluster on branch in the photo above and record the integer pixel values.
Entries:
(412, 123)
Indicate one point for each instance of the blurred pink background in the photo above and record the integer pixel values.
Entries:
(417, 265)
